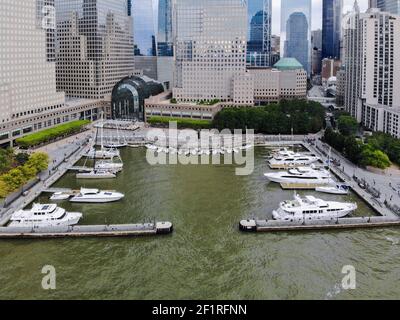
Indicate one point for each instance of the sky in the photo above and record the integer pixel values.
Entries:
(316, 14)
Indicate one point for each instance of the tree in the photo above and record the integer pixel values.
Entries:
(347, 125)
(14, 179)
(374, 158)
(22, 158)
(39, 161)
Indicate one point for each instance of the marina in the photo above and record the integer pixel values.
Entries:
(205, 222)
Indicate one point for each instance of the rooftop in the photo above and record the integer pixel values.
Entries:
(288, 64)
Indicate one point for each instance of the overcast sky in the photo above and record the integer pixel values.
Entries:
(317, 12)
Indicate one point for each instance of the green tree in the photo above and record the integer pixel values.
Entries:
(39, 161)
(22, 158)
(374, 158)
(347, 125)
(14, 179)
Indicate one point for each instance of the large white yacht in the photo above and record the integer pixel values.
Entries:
(44, 215)
(289, 159)
(301, 175)
(96, 174)
(96, 196)
(311, 208)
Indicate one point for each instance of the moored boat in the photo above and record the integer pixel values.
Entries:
(311, 208)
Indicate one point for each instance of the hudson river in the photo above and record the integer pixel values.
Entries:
(206, 257)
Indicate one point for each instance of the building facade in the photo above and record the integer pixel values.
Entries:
(392, 6)
(289, 7)
(30, 100)
(94, 46)
(210, 48)
(259, 33)
(331, 28)
(296, 44)
(286, 80)
(372, 62)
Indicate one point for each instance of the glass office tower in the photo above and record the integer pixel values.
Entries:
(302, 8)
(296, 45)
(144, 27)
(165, 40)
(331, 28)
(259, 33)
(392, 6)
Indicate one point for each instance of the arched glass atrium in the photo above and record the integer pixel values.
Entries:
(128, 97)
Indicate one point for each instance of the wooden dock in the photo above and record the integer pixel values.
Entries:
(127, 230)
(252, 225)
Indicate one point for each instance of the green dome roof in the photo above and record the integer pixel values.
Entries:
(288, 64)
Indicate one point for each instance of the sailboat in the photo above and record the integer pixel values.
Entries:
(103, 153)
(96, 173)
(118, 143)
(333, 188)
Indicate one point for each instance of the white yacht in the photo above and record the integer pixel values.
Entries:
(60, 196)
(96, 174)
(96, 196)
(311, 208)
(340, 189)
(44, 215)
(292, 160)
(301, 175)
(111, 165)
(103, 153)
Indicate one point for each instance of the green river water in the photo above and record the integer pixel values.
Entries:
(206, 257)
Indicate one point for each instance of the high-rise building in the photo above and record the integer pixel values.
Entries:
(94, 46)
(28, 95)
(331, 28)
(210, 48)
(372, 66)
(27, 73)
(316, 39)
(145, 27)
(302, 18)
(296, 44)
(164, 37)
(392, 6)
(259, 33)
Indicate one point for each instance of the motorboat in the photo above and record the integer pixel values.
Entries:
(96, 174)
(301, 175)
(311, 208)
(340, 189)
(44, 215)
(110, 165)
(59, 196)
(292, 161)
(96, 196)
(103, 153)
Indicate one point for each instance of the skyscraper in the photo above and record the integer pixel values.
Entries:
(392, 6)
(210, 46)
(27, 73)
(94, 46)
(259, 33)
(296, 44)
(164, 37)
(372, 62)
(144, 27)
(288, 7)
(331, 28)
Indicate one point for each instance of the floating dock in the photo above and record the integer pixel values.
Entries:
(253, 225)
(126, 230)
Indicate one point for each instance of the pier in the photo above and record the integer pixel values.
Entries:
(252, 225)
(126, 230)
